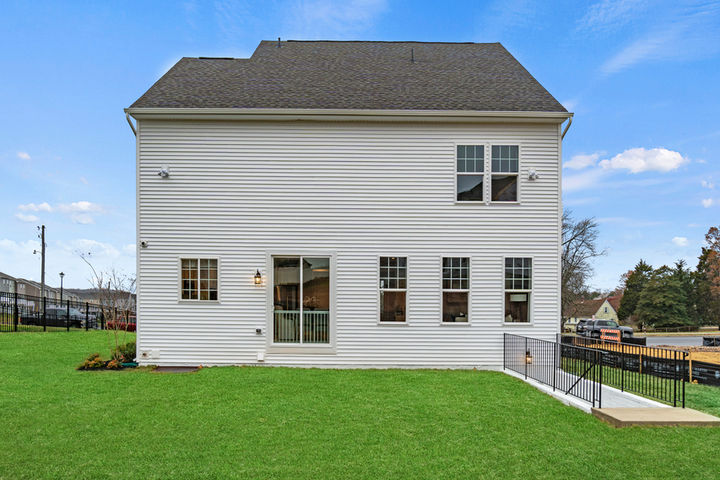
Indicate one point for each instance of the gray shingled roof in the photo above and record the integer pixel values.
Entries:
(355, 75)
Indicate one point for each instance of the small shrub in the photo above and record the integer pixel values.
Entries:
(125, 353)
(113, 364)
(92, 362)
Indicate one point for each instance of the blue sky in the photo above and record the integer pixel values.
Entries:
(643, 79)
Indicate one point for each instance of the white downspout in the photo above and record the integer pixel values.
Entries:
(132, 127)
(567, 127)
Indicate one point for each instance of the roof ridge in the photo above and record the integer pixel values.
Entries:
(383, 41)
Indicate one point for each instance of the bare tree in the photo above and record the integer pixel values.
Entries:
(579, 248)
(115, 297)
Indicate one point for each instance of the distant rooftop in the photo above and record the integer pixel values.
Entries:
(355, 75)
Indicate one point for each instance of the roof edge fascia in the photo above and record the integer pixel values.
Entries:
(312, 114)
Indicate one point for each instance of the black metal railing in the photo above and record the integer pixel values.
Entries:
(574, 370)
(653, 372)
(27, 313)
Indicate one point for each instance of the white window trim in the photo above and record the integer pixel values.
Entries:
(300, 348)
(491, 173)
(531, 319)
(469, 291)
(180, 258)
(406, 290)
(484, 173)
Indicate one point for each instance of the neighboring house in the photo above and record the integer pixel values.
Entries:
(599, 308)
(347, 204)
(7, 283)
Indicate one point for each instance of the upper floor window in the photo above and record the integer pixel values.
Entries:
(469, 173)
(518, 287)
(393, 288)
(199, 279)
(504, 176)
(455, 289)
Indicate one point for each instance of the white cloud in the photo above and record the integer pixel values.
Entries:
(638, 160)
(23, 155)
(707, 202)
(680, 32)
(31, 207)
(81, 206)
(325, 18)
(570, 104)
(129, 249)
(23, 217)
(610, 14)
(82, 218)
(92, 248)
(680, 241)
(707, 184)
(84, 180)
(578, 162)
(583, 180)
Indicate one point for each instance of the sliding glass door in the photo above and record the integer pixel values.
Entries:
(301, 300)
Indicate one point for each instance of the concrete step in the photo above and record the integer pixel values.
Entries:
(656, 417)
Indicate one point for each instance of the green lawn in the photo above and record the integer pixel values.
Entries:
(56, 422)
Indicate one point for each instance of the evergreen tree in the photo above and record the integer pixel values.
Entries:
(685, 278)
(634, 285)
(707, 280)
(663, 300)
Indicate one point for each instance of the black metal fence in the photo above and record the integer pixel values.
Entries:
(571, 369)
(27, 313)
(653, 372)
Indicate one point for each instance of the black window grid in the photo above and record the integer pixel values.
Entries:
(456, 273)
(518, 273)
(393, 273)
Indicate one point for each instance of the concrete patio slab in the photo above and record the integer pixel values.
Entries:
(659, 417)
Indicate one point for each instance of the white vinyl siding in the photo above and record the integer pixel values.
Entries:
(242, 190)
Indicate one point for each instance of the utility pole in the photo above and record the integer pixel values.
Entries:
(42, 262)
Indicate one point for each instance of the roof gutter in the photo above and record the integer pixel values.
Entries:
(312, 114)
(567, 127)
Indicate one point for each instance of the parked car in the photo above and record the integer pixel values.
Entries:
(592, 328)
(580, 327)
(57, 316)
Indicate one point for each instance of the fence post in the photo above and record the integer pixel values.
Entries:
(622, 367)
(555, 362)
(67, 316)
(525, 356)
(601, 379)
(675, 378)
(504, 349)
(102, 319)
(44, 317)
(685, 354)
(87, 316)
(16, 313)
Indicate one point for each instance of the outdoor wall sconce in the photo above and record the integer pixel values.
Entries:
(258, 278)
(528, 358)
(533, 175)
(164, 171)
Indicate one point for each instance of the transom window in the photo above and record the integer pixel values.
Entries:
(456, 287)
(505, 162)
(393, 288)
(199, 279)
(470, 168)
(518, 288)
(301, 300)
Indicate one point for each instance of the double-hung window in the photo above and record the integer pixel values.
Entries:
(393, 289)
(469, 173)
(518, 288)
(455, 289)
(301, 300)
(504, 173)
(199, 279)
